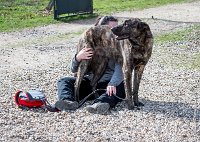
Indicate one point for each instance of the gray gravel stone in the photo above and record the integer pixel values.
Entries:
(38, 57)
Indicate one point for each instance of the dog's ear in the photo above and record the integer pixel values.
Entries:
(97, 20)
(144, 27)
(148, 31)
(141, 26)
(89, 33)
(89, 36)
(86, 40)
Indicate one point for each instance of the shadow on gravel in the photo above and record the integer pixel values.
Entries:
(168, 109)
(36, 110)
(41, 110)
(172, 109)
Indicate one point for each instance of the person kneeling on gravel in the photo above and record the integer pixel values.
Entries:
(112, 81)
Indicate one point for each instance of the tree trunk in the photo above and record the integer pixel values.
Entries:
(50, 5)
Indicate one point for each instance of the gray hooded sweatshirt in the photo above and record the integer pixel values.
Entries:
(113, 72)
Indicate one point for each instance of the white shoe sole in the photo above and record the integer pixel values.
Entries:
(99, 109)
(66, 105)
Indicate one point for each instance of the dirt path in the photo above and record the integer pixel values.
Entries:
(187, 12)
(182, 13)
(38, 57)
(54, 36)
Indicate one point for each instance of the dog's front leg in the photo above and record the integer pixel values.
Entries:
(138, 71)
(80, 74)
(98, 72)
(128, 85)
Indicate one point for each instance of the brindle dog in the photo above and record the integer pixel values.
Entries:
(105, 47)
(136, 42)
(132, 48)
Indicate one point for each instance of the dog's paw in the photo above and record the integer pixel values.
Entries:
(131, 107)
(139, 104)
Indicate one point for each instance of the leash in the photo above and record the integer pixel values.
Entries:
(47, 106)
(95, 91)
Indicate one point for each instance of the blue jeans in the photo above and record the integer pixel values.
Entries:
(66, 91)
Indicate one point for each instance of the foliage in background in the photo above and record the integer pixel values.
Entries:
(19, 14)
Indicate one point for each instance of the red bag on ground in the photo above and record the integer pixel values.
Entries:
(32, 98)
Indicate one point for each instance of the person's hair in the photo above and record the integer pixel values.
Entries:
(104, 20)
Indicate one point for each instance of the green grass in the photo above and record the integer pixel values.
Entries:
(179, 35)
(196, 62)
(45, 40)
(108, 6)
(173, 36)
(191, 61)
(187, 61)
(186, 58)
(19, 14)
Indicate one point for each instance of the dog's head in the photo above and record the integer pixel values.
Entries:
(132, 29)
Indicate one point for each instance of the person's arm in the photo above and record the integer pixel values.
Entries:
(116, 79)
(84, 54)
(74, 65)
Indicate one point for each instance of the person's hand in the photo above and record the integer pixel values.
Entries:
(84, 54)
(111, 90)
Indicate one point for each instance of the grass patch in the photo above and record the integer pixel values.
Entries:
(109, 6)
(45, 41)
(196, 62)
(188, 61)
(180, 61)
(183, 55)
(179, 35)
(173, 36)
(183, 46)
(19, 14)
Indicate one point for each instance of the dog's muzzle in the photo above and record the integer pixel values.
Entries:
(118, 32)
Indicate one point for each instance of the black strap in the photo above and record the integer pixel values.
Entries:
(17, 97)
(84, 100)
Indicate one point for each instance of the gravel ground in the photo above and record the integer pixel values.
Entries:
(38, 57)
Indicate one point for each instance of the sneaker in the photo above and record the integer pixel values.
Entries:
(52, 108)
(66, 105)
(99, 108)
